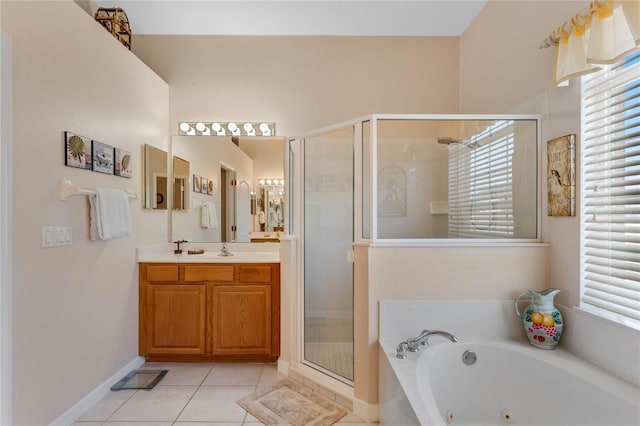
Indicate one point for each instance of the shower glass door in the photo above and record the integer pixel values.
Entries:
(328, 238)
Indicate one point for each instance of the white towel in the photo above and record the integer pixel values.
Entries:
(208, 215)
(110, 214)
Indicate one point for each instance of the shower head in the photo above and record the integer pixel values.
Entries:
(446, 140)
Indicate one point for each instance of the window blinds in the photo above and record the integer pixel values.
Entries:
(610, 258)
(480, 184)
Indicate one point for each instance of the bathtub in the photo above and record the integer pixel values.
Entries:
(510, 382)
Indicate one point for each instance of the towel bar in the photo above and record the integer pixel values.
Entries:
(66, 190)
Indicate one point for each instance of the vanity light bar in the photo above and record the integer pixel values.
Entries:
(231, 128)
(270, 181)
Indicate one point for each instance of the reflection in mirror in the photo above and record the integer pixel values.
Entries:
(457, 179)
(270, 205)
(155, 178)
(229, 170)
(180, 184)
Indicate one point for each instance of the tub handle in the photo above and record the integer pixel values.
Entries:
(518, 300)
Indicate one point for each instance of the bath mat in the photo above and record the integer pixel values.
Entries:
(140, 379)
(286, 403)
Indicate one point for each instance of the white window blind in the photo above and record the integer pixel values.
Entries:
(481, 184)
(610, 258)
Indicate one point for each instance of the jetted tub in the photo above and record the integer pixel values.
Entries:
(509, 383)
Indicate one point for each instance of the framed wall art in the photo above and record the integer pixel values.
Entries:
(77, 151)
(561, 176)
(205, 185)
(123, 163)
(102, 157)
(197, 183)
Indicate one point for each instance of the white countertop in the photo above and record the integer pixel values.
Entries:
(242, 253)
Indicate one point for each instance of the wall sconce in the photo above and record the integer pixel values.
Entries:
(219, 128)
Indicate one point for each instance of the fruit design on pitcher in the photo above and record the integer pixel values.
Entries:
(542, 326)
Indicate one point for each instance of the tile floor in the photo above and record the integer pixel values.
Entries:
(190, 395)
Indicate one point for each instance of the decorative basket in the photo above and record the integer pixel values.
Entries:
(115, 20)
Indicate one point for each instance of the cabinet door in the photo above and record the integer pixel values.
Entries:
(241, 319)
(174, 321)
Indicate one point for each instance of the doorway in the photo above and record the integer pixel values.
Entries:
(227, 204)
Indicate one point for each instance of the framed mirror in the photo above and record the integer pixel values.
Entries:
(154, 162)
(181, 184)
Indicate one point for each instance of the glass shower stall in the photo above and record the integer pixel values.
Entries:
(395, 179)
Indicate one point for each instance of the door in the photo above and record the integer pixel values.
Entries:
(328, 205)
(175, 319)
(241, 319)
(227, 204)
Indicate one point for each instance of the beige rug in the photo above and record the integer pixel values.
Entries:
(286, 403)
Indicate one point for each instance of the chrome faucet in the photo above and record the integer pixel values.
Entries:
(224, 251)
(413, 345)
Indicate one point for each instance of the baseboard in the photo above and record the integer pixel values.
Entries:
(73, 413)
(283, 367)
(365, 411)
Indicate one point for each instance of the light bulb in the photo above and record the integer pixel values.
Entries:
(264, 128)
(200, 126)
(248, 129)
(184, 127)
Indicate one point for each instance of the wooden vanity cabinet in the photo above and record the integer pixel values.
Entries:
(210, 312)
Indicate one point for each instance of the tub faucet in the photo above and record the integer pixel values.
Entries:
(224, 251)
(413, 345)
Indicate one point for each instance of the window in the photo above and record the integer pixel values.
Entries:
(480, 184)
(610, 213)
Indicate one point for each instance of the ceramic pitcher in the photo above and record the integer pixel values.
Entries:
(541, 320)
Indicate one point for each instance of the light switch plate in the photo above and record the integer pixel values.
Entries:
(56, 236)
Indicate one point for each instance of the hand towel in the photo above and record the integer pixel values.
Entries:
(205, 216)
(110, 214)
(208, 215)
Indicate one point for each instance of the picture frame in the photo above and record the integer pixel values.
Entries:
(210, 187)
(205, 185)
(123, 163)
(102, 157)
(561, 176)
(197, 183)
(77, 151)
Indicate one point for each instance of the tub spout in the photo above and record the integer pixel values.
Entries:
(413, 345)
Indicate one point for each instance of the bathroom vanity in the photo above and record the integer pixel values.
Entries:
(205, 308)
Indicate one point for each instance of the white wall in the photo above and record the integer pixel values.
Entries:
(502, 70)
(75, 307)
(302, 83)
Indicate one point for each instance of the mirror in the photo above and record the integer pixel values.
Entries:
(154, 163)
(269, 207)
(224, 182)
(180, 183)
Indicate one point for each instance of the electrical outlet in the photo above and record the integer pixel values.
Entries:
(56, 236)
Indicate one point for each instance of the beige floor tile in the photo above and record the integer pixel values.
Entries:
(185, 375)
(86, 423)
(208, 424)
(234, 375)
(137, 424)
(162, 403)
(108, 405)
(270, 375)
(216, 403)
